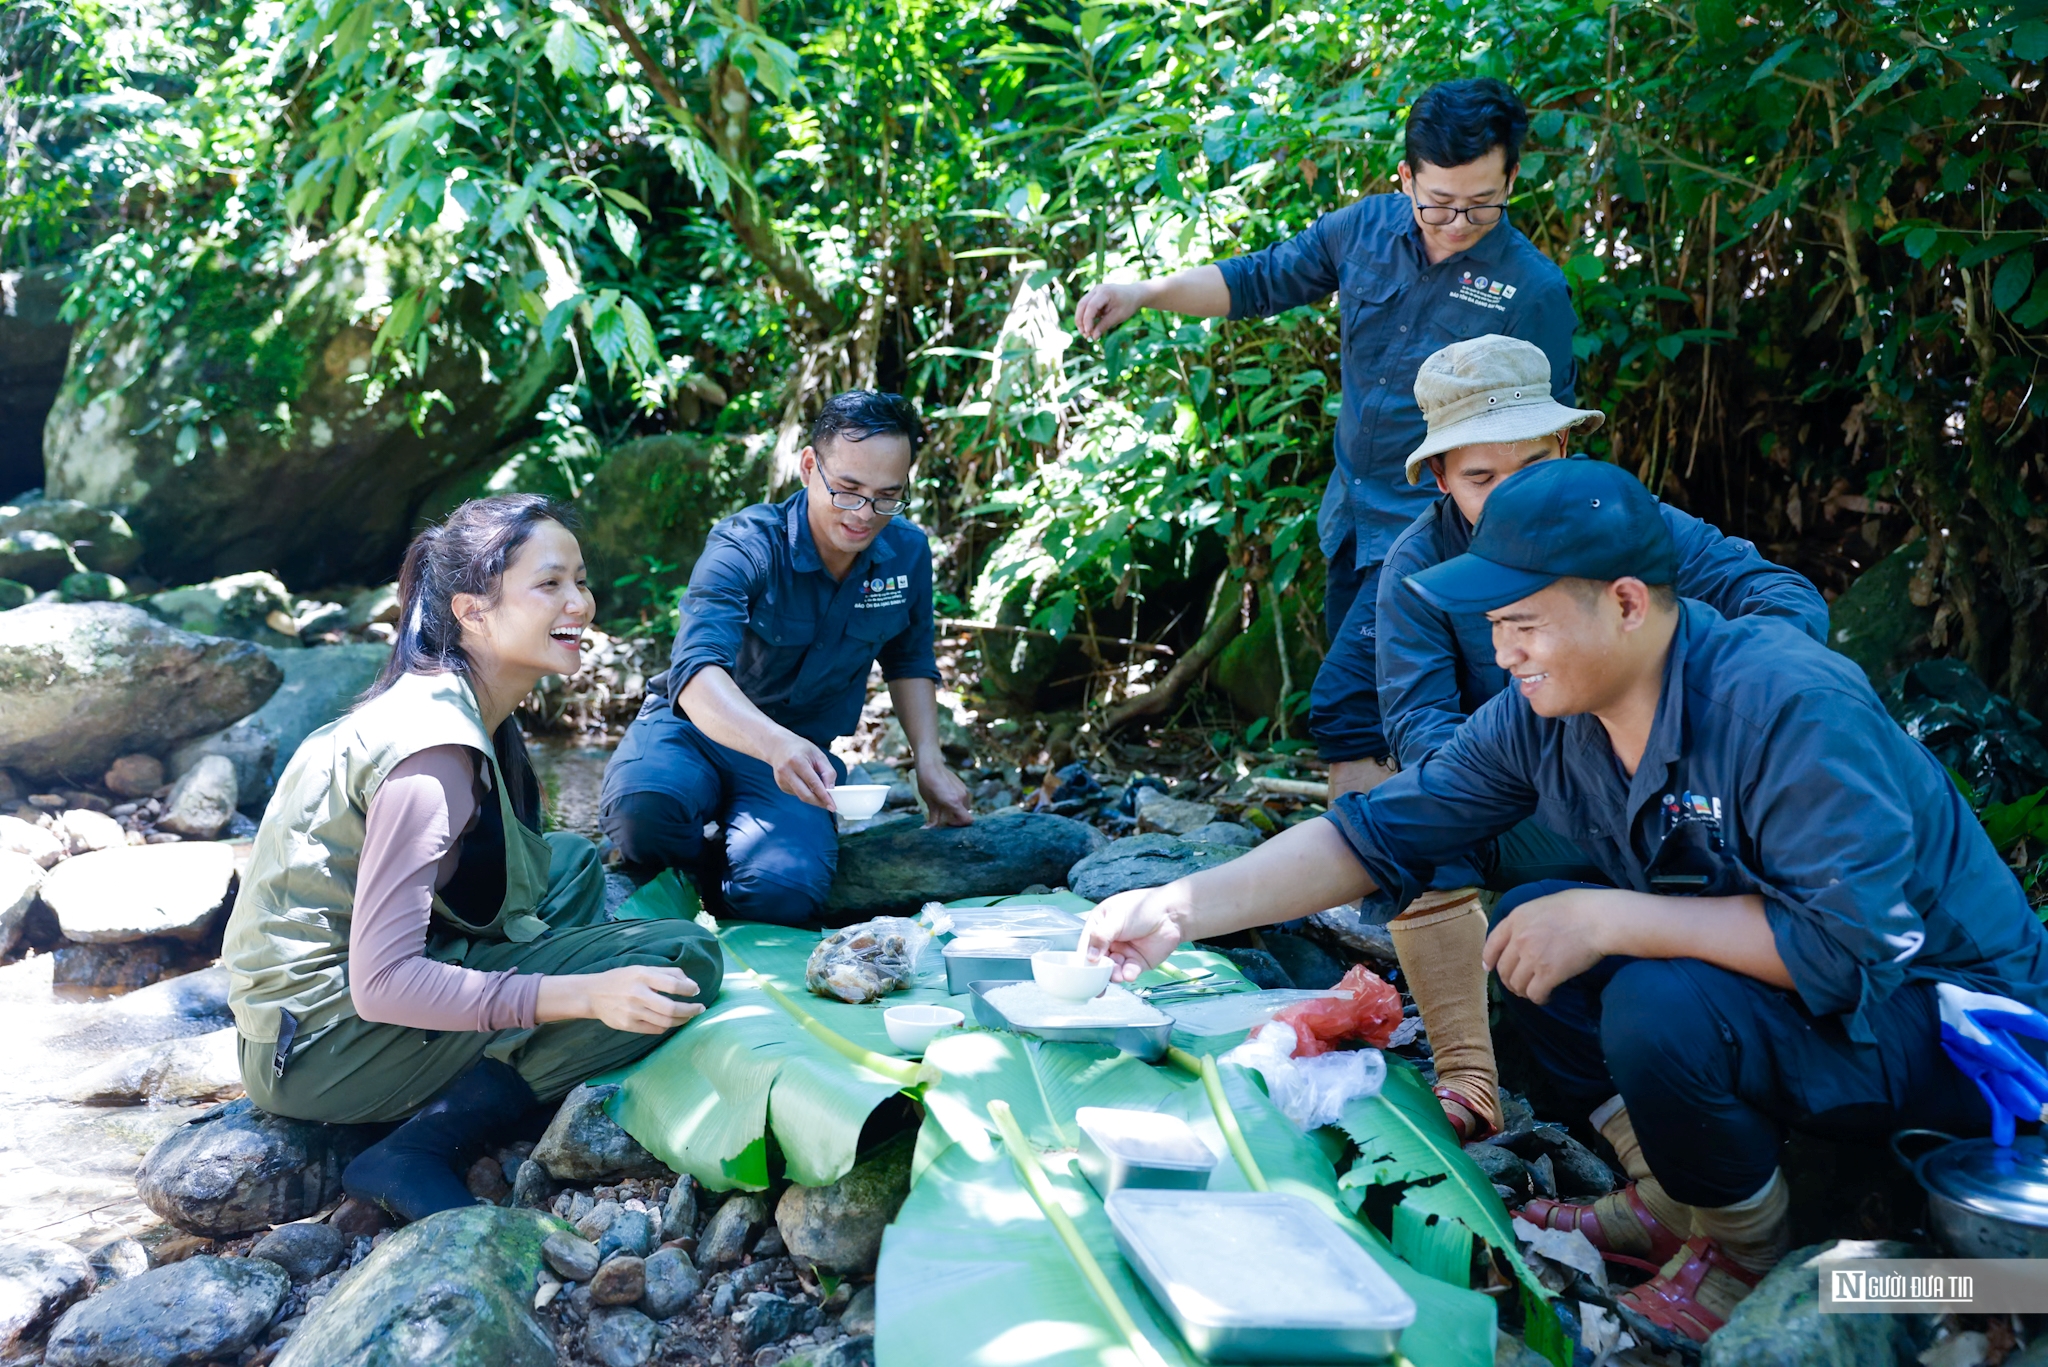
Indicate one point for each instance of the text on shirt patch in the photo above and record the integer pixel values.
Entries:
(1477, 289)
(889, 591)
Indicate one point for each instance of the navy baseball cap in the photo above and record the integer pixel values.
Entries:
(1558, 519)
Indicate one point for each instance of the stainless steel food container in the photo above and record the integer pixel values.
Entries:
(990, 958)
(1034, 919)
(1124, 1148)
(1259, 1277)
(1148, 1042)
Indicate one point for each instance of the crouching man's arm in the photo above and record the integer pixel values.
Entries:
(1546, 941)
(946, 799)
(723, 712)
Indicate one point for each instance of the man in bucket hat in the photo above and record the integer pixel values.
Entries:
(1490, 413)
(1792, 877)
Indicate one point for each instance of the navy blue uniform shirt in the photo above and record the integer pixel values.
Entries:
(1435, 668)
(798, 643)
(1396, 310)
(1771, 768)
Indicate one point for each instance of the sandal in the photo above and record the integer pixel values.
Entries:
(1473, 1127)
(1545, 1213)
(1670, 1300)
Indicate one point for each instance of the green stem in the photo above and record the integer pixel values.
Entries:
(1226, 1119)
(898, 1071)
(1036, 1183)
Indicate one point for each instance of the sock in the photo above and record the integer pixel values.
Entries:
(411, 1171)
(1755, 1233)
(1618, 1220)
(1439, 940)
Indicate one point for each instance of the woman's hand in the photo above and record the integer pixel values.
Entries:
(1137, 929)
(639, 998)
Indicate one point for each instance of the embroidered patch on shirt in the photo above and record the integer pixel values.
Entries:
(1477, 289)
(889, 591)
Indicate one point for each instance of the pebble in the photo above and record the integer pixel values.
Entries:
(134, 776)
(30, 840)
(584, 1144)
(859, 1315)
(118, 1261)
(84, 831)
(571, 1257)
(722, 1299)
(769, 1319)
(619, 1337)
(679, 1213)
(672, 1283)
(203, 800)
(361, 1221)
(194, 1311)
(38, 1279)
(620, 1281)
(631, 1231)
(306, 1252)
(532, 1188)
(839, 1227)
(597, 1220)
(1502, 1166)
(486, 1180)
(730, 1229)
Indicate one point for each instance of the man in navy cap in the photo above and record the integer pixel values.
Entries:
(789, 607)
(1793, 877)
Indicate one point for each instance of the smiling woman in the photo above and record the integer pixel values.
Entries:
(407, 943)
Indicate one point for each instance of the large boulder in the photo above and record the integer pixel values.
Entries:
(320, 684)
(651, 499)
(1248, 670)
(38, 1278)
(331, 492)
(180, 1071)
(136, 892)
(1144, 861)
(236, 1169)
(1780, 1324)
(249, 607)
(1877, 623)
(194, 1311)
(452, 1290)
(84, 683)
(20, 879)
(34, 344)
(897, 867)
(839, 1227)
(44, 540)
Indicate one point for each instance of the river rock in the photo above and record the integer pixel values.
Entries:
(118, 1260)
(1502, 1166)
(82, 683)
(672, 1283)
(766, 1321)
(198, 1068)
(189, 1312)
(839, 1227)
(1876, 623)
(304, 1251)
(38, 1278)
(859, 1315)
(584, 1144)
(1143, 861)
(1348, 929)
(898, 866)
(1225, 833)
(731, 1228)
(679, 1213)
(619, 1281)
(619, 1336)
(452, 1290)
(1158, 812)
(532, 1188)
(35, 536)
(203, 801)
(14, 594)
(134, 776)
(195, 997)
(320, 684)
(95, 970)
(20, 877)
(631, 1232)
(249, 751)
(84, 831)
(572, 1258)
(858, 1351)
(1780, 1324)
(1307, 964)
(138, 891)
(91, 587)
(33, 842)
(248, 607)
(237, 1168)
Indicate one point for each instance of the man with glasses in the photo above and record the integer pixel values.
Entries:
(1414, 271)
(788, 608)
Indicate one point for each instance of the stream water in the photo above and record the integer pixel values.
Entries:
(571, 774)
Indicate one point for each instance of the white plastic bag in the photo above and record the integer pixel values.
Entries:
(1312, 1092)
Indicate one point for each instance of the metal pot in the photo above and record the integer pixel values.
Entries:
(1983, 1201)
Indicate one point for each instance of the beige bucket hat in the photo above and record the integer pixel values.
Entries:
(1490, 389)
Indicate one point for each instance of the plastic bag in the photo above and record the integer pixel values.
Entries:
(1311, 1091)
(864, 962)
(1370, 1015)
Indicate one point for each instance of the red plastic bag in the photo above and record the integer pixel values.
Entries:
(1369, 1015)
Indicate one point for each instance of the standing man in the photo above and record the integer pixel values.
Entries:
(788, 608)
(1435, 263)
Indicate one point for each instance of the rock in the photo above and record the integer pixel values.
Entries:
(839, 1227)
(118, 1261)
(305, 1251)
(14, 594)
(619, 1337)
(859, 1315)
(1261, 968)
(1502, 1167)
(767, 1320)
(379, 604)
(1226, 833)
(38, 1279)
(1580, 1173)
(679, 1214)
(91, 587)
(134, 776)
(1143, 861)
(858, 1351)
(896, 867)
(98, 969)
(672, 1283)
(532, 1188)
(452, 1290)
(652, 496)
(204, 800)
(198, 1068)
(631, 1232)
(731, 1229)
(84, 831)
(1248, 669)
(863, 962)
(359, 1219)
(320, 684)
(20, 877)
(486, 1180)
(237, 1169)
(30, 841)
(1876, 623)
(81, 683)
(40, 540)
(247, 749)
(197, 997)
(1348, 930)
(1157, 812)
(619, 1281)
(1307, 964)
(572, 1258)
(770, 1244)
(1780, 1324)
(243, 606)
(137, 891)
(584, 1144)
(190, 1312)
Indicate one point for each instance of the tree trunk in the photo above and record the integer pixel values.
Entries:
(1164, 696)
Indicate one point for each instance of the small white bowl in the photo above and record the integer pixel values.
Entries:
(859, 801)
(911, 1028)
(1066, 974)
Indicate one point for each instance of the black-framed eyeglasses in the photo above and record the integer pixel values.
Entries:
(846, 501)
(1443, 215)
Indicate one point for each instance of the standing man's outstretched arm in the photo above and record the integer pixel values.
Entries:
(1198, 292)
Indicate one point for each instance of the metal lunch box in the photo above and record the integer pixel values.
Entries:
(1125, 1148)
(990, 958)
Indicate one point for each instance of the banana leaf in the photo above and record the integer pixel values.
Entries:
(1444, 1199)
(971, 1271)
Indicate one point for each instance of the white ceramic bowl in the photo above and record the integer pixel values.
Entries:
(911, 1028)
(859, 801)
(1065, 974)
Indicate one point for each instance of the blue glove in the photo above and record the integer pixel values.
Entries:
(1977, 1030)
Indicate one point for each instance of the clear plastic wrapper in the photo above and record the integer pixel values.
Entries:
(865, 962)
